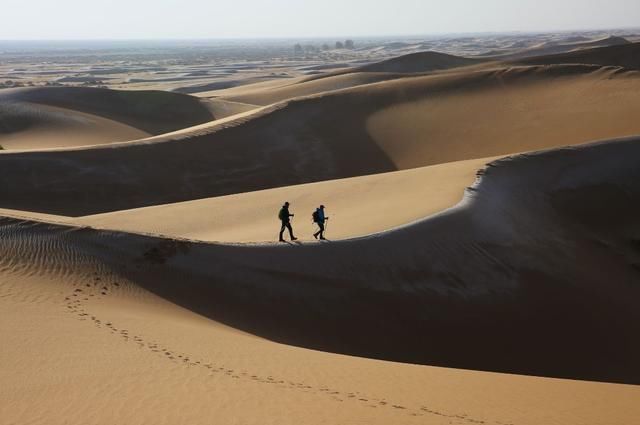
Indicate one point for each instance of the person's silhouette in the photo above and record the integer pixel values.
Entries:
(285, 218)
(319, 218)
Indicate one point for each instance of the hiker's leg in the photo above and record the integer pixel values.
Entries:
(321, 231)
(282, 230)
(290, 230)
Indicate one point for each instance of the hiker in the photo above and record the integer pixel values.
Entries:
(319, 218)
(285, 217)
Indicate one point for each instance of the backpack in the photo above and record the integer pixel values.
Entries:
(315, 216)
(282, 215)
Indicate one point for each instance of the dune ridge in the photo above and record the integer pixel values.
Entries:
(362, 205)
(335, 135)
(488, 284)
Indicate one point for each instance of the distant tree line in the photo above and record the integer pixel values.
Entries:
(300, 49)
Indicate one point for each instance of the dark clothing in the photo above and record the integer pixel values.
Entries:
(286, 225)
(320, 232)
(319, 217)
(285, 217)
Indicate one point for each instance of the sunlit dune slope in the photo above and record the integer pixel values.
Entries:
(267, 96)
(504, 111)
(365, 130)
(357, 206)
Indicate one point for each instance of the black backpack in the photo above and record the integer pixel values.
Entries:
(315, 216)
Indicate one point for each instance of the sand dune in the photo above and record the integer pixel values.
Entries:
(558, 47)
(625, 55)
(313, 86)
(83, 341)
(250, 88)
(411, 63)
(537, 108)
(336, 135)
(153, 112)
(30, 126)
(140, 303)
(414, 63)
(224, 84)
(611, 51)
(362, 206)
(420, 62)
(510, 266)
(221, 108)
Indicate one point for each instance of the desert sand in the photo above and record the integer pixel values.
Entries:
(482, 264)
(50, 117)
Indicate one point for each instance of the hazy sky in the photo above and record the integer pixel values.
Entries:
(133, 19)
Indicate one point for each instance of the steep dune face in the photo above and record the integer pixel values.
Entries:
(153, 112)
(336, 135)
(509, 281)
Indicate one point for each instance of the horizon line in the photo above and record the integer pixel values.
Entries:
(323, 37)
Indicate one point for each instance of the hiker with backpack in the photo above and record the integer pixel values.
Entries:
(319, 218)
(285, 218)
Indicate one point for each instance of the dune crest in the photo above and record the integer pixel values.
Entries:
(335, 135)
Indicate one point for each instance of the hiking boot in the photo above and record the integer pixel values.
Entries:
(315, 235)
(294, 239)
(281, 240)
